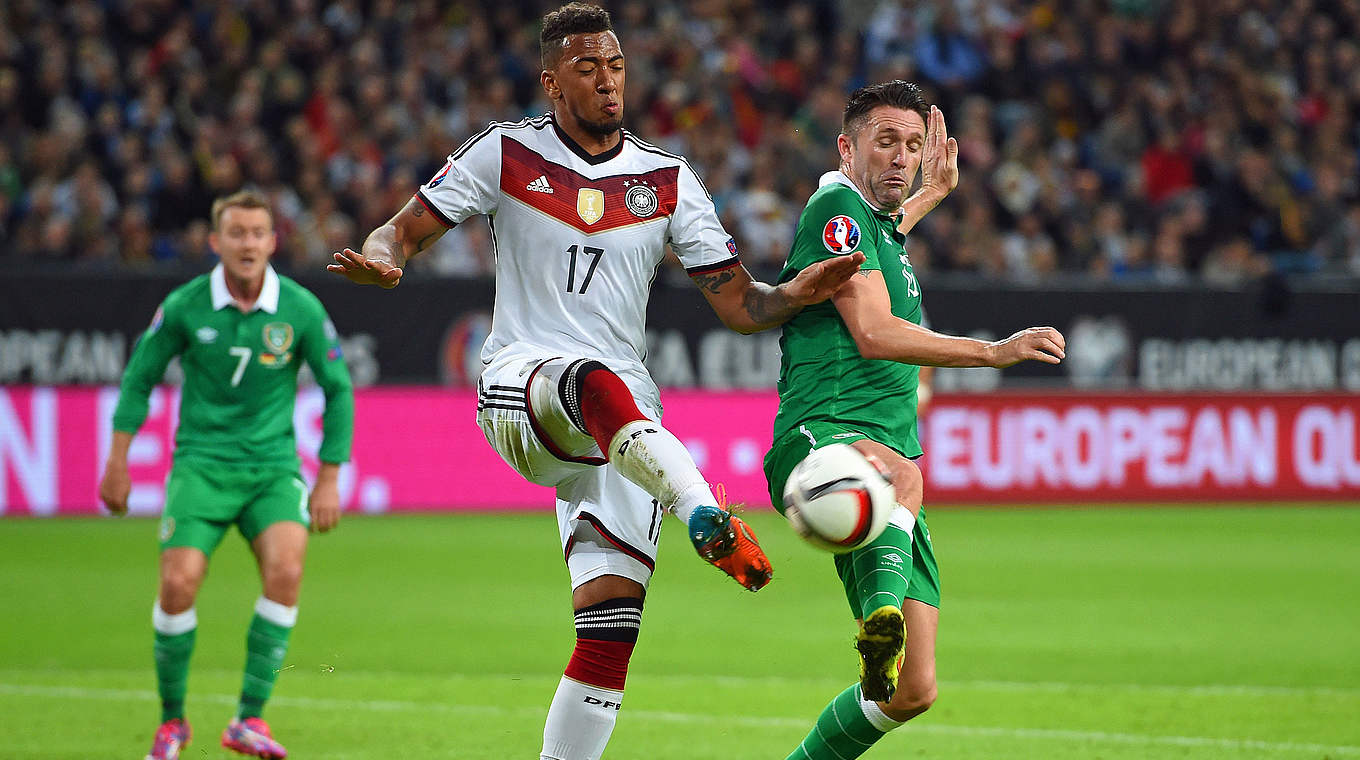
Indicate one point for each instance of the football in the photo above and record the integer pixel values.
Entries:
(837, 500)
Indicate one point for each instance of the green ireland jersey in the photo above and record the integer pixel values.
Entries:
(822, 376)
(240, 372)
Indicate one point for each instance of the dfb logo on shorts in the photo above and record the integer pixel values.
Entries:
(841, 234)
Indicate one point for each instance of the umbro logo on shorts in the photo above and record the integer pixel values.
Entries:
(540, 185)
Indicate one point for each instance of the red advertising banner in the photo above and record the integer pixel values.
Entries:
(420, 448)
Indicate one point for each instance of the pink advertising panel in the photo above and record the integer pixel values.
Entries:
(420, 448)
(414, 449)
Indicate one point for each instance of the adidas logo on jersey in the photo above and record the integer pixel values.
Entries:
(540, 185)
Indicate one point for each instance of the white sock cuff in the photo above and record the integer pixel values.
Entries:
(875, 715)
(901, 518)
(173, 625)
(276, 613)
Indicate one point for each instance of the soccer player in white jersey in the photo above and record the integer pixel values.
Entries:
(581, 212)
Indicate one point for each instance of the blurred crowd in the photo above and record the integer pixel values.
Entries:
(1128, 140)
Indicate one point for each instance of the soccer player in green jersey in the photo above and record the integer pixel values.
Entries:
(241, 333)
(849, 375)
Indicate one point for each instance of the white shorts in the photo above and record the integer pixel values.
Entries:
(608, 525)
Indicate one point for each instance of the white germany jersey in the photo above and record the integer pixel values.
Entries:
(578, 238)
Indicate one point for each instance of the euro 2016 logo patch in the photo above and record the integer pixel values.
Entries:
(841, 234)
(640, 200)
(440, 176)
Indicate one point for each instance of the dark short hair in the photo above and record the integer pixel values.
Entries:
(239, 199)
(897, 93)
(572, 18)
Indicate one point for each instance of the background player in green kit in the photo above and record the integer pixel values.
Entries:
(241, 333)
(849, 375)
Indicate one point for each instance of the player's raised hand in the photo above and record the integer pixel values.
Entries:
(115, 487)
(1043, 344)
(821, 280)
(939, 158)
(364, 271)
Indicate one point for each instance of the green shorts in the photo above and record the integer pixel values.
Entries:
(789, 450)
(203, 500)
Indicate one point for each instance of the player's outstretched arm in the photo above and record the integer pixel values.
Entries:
(747, 305)
(865, 307)
(387, 248)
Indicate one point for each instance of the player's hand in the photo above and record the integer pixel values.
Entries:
(821, 280)
(114, 488)
(939, 159)
(324, 505)
(1043, 344)
(365, 271)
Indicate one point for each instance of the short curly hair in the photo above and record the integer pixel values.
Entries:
(572, 18)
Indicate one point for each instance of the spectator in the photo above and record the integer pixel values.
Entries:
(1234, 264)
(1096, 123)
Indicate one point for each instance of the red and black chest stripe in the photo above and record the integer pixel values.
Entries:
(589, 205)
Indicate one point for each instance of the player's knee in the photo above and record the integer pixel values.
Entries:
(602, 401)
(606, 633)
(908, 483)
(178, 588)
(282, 578)
(587, 384)
(912, 699)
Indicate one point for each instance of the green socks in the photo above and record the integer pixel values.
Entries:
(174, 644)
(846, 729)
(880, 570)
(266, 646)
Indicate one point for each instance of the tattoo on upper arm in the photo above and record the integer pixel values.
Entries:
(419, 210)
(425, 241)
(713, 282)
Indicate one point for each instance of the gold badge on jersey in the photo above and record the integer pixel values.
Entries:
(278, 337)
(590, 204)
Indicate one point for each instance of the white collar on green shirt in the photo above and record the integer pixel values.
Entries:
(269, 294)
(838, 177)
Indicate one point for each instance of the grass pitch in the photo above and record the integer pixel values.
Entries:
(1112, 634)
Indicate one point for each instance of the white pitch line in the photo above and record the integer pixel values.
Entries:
(73, 692)
(1210, 690)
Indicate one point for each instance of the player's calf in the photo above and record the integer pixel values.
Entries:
(590, 694)
(913, 697)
